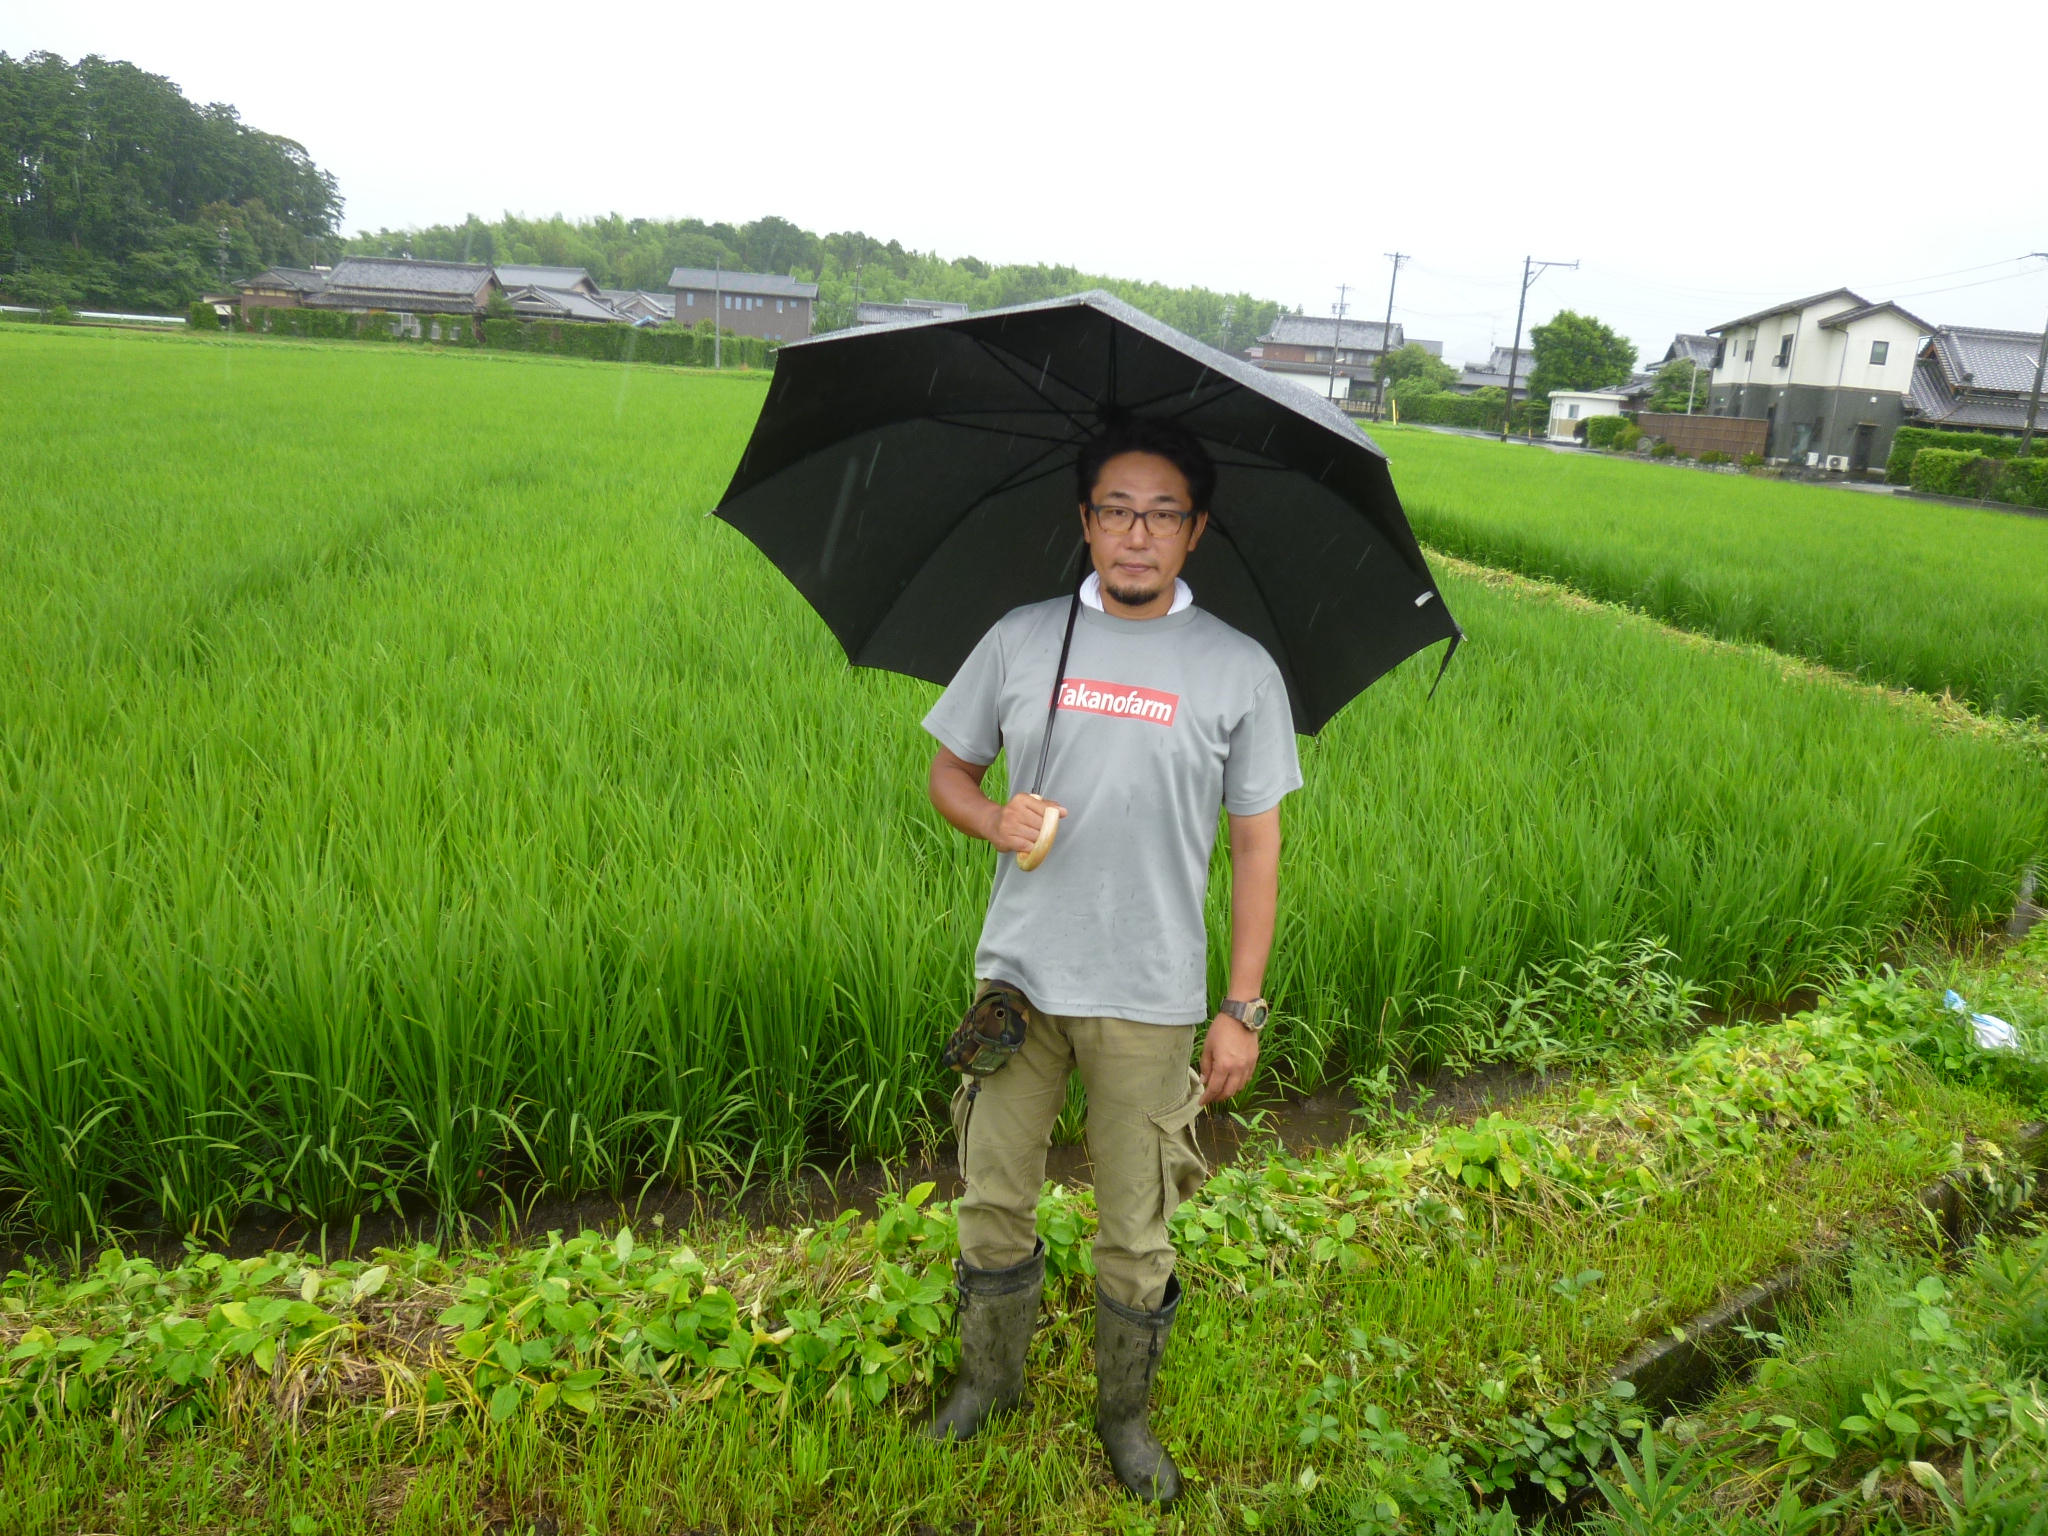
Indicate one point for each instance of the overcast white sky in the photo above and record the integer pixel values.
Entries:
(1699, 161)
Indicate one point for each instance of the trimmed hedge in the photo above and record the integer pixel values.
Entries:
(1446, 409)
(202, 316)
(348, 325)
(671, 345)
(1601, 431)
(1908, 441)
(1981, 476)
(2023, 483)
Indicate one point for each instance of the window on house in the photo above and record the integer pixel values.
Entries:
(1749, 350)
(690, 300)
(1571, 413)
(1879, 351)
(1784, 351)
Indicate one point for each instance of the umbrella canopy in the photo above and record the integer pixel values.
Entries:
(915, 482)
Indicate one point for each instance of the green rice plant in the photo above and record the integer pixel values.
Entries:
(1903, 592)
(412, 797)
(1444, 1334)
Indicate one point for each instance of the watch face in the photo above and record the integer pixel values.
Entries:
(1256, 1015)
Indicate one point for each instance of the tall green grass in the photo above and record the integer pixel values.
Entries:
(408, 791)
(1929, 596)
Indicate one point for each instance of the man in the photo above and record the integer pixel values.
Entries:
(1165, 714)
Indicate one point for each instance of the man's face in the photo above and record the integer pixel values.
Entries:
(1139, 563)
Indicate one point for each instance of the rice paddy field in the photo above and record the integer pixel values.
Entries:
(409, 792)
(1918, 594)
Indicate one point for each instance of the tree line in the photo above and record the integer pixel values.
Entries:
(115, 189)
(118, 192)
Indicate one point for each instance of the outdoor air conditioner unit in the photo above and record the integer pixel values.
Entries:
(1839, 461)
(1813, 461)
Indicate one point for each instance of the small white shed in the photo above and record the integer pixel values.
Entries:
(1569, 407)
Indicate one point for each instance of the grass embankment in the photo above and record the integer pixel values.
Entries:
(1896, 591)
(1372, 1337)
(410, 793)
(1912, 1396)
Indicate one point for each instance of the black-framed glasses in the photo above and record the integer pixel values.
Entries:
(1160, 522)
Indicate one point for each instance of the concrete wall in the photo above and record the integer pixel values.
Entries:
(1807, 420)
(764, 315)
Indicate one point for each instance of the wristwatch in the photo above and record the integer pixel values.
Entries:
(1251, 1015)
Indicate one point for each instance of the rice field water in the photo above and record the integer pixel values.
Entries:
(409, 792)
(1920, 594)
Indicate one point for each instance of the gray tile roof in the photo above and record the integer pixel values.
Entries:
(396, 275)
(1484, 378)
(536, 303)
(770, 284)
(383, 282)
(1786, 309)
(1697, 350)
(1980, 360)
(1316, 331)
(513, 276)
(1934, 404)
(1498, 362)
(299, 279)
(910, 310)
(640, 301)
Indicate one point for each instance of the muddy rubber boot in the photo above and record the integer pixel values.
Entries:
(1129, 1345)
(998, 1310)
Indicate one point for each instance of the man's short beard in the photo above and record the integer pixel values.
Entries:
(1133, 597)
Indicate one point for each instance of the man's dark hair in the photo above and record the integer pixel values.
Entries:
(1139, 434)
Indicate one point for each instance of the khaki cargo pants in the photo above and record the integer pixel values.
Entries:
(1143, 1098)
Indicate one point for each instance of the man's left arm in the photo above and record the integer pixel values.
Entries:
(1230, 1051)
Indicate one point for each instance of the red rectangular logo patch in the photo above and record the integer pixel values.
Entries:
(1097, 698)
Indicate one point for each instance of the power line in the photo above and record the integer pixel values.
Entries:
(1515, 352)
(1387, 336)
(1337, 340)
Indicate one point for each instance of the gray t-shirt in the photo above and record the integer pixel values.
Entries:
(1161, 722)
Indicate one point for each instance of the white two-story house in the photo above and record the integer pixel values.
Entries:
(1831, 374)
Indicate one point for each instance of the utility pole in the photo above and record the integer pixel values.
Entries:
(717, 311)
(1515, 352)
(1379, 407)
(1337, 340)
(223, 258)
(2034, 400)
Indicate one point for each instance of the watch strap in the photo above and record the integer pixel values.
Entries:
(1243, 1011)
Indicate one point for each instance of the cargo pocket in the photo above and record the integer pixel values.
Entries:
(1181, 1169)
(962, 1110)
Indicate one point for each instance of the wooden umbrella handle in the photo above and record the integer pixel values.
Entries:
(1034, 856)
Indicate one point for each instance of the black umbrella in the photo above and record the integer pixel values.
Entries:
(916, 483)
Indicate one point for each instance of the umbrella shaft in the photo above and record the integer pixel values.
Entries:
(1052, 709)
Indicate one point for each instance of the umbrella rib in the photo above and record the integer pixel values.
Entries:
(997, 431)
(1231, 387)
(1009, 483)
(1007, 361)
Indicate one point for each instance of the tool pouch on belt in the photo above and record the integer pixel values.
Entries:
(990, 1035)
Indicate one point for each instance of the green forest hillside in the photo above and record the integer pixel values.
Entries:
(115, 191)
